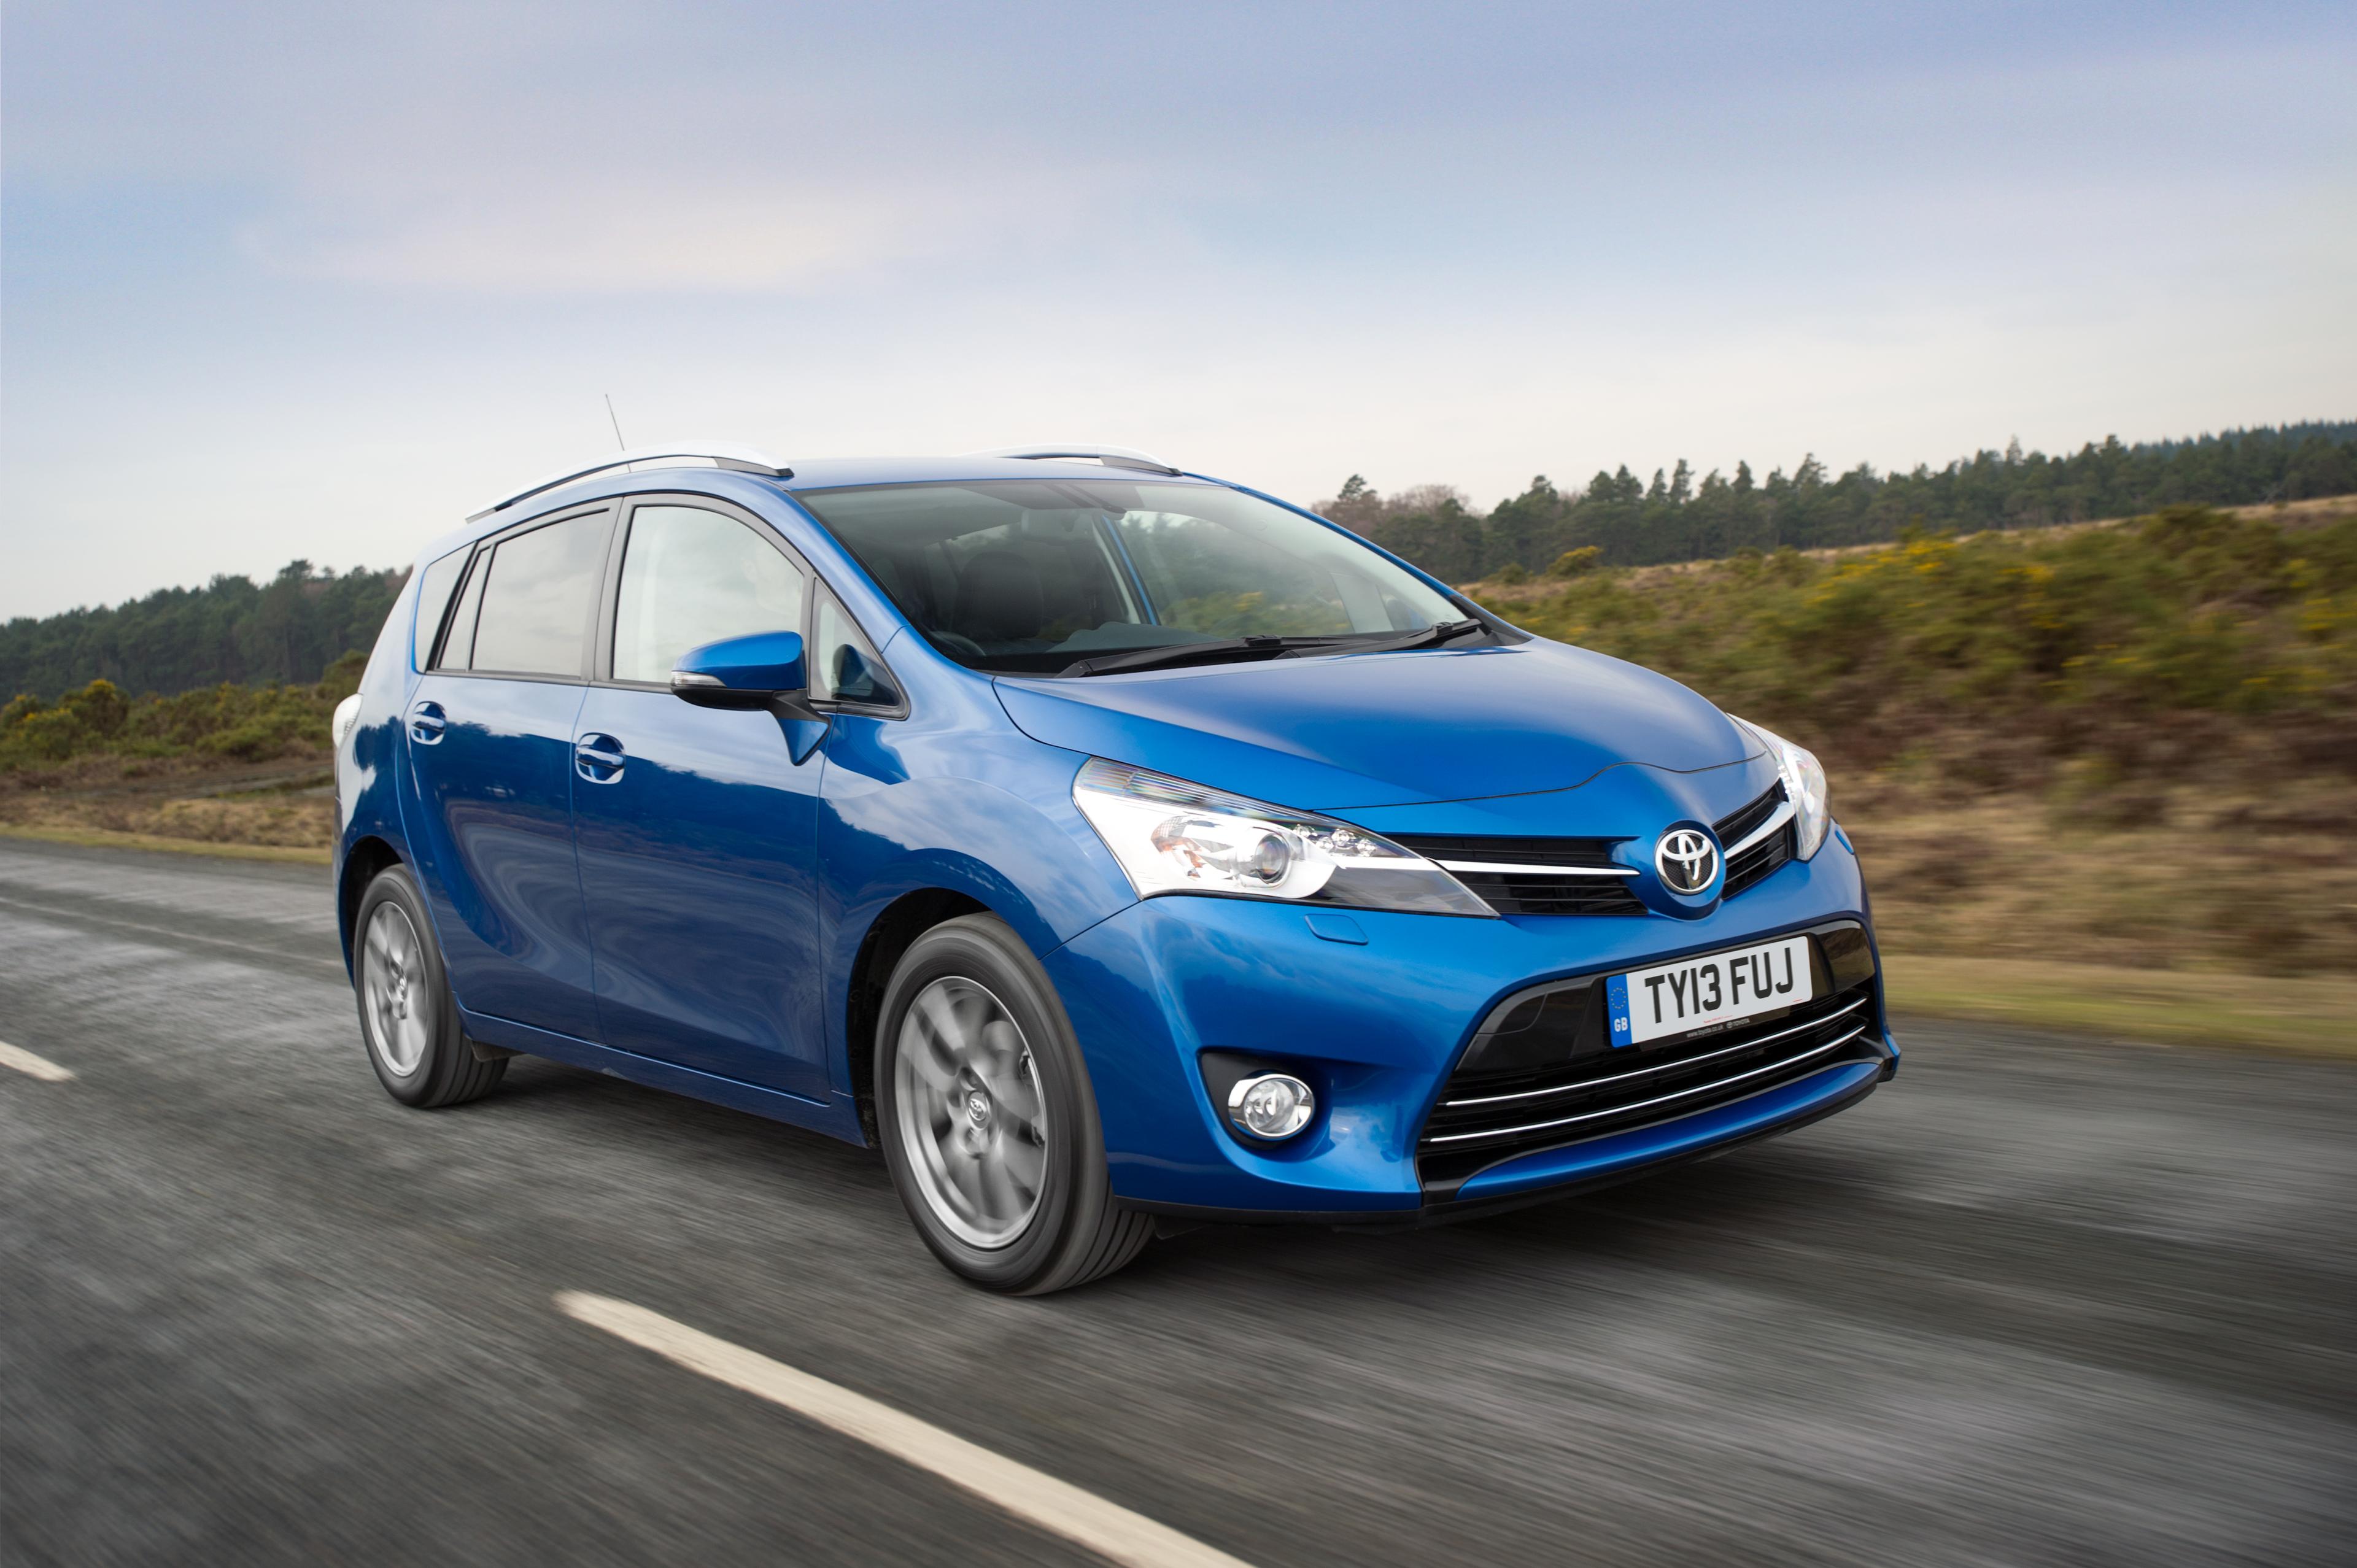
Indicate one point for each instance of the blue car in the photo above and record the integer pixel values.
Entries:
(1119, 849)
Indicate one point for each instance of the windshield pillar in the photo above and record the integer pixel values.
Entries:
(1146, 609)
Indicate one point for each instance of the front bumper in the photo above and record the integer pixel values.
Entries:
(1377, 1026)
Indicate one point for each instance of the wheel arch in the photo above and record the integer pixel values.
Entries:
(894, 930)
(368, 855)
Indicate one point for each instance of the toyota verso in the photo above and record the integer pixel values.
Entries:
(1117, 847)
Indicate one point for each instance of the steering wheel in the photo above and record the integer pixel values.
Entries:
(953, 643)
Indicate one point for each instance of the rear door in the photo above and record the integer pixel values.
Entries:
(491, 749)
(695, 826)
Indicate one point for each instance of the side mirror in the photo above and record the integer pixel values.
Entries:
(763, 671)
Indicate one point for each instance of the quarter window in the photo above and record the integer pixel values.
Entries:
(843, 666)
(536, 599)
(459, 642)
(692, 576)
(433, 586)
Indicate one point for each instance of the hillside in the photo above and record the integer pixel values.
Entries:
(2195, 639)
(181, 639)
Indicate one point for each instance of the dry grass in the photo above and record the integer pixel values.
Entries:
(283, 803)
(2315, 1016)
(2128, 878)
(102, 838)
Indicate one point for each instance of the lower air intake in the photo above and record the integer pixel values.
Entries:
(1540, 1074)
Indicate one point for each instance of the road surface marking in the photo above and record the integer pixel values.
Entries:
(1107, 1529)
(26, 1062)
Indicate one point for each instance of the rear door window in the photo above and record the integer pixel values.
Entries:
(538, 596)
(692, 576)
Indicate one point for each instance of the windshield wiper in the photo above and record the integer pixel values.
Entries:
(1429, 637)
(1174, 655)
(1168, 654)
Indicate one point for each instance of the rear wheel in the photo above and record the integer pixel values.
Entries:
(988, 1122)
(409, 1017)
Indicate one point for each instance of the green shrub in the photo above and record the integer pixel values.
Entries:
(2148, 642)
(247, 723)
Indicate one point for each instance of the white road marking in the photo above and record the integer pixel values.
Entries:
(26, 1062)
(1107, 1529)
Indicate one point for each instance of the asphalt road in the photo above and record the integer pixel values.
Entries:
(2036, 1302)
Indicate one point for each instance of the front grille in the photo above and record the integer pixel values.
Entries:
(1520, 894)
(1498, 1105)
(1737, 825)
(1746, 869)
(1555, 884)
(1540, 890)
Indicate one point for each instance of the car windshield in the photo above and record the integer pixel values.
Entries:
(1025, 576)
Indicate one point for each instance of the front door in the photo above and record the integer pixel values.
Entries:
(490, 756)
(695, 826)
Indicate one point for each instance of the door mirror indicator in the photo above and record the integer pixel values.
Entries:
(762, 670)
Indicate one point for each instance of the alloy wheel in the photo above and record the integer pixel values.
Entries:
(970, 1116)
(393, 990)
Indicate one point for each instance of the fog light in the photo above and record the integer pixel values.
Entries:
(1271, 1105)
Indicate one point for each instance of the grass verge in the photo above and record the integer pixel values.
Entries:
(2311, 1015)
(102, 838)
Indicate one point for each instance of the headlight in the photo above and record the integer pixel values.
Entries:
(1171, 836)
(1804, 786)
(348, 714)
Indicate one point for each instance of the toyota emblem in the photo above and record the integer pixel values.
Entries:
(1686, 859)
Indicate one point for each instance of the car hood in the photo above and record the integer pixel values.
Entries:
(1385, 729)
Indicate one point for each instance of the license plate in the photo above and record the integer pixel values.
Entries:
(1709, 992)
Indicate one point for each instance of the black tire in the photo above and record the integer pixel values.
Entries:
(431, 1065)
(1077, 1232)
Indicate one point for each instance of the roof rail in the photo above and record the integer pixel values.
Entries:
(719, 454)
(1111, 456)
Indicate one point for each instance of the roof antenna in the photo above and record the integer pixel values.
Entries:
(619, 444)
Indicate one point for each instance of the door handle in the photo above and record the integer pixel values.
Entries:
(599, 758)
(427, 722)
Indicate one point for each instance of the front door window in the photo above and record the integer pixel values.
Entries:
(692, 576)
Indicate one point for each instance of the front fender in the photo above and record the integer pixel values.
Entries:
(907, 806)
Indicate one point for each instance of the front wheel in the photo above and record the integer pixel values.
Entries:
(409, 1016)
(989, 1126)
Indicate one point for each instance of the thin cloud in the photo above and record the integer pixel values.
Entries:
(599, 240)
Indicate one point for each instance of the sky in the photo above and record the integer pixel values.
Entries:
(282, 280)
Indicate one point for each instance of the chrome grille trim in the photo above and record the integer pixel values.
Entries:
(1711, 1088)
(1738, 824)
(1515, 870)
(1586, 1084)
(1774, 824)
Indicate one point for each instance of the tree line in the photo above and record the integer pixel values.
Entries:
(290, 629)
(284, 631)
(1627, 521)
